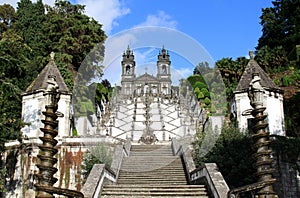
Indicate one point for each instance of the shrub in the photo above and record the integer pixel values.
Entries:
(99, 154)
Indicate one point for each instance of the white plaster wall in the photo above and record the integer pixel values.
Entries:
(64, 105)
(32, 114)
(32, 107)
(274, 110)
(242, 103)
(275, 115)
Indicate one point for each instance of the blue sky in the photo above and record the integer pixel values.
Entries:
(225, 28)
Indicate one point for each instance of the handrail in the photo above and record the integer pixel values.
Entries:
(94, 182)
(212, 177)
(120, 152)
(93, 186)
(208, 173)
(234, 193)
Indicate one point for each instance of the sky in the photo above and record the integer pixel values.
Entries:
(224, 28)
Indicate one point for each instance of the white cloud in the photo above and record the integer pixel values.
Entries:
(105, 12)
(15, 4)
(181, 73)
(160, 19)
(184, 72)
(11, 2)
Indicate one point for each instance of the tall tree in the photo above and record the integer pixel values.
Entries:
(7, 17)
(29, 25)
(75, 35)
(281, 25)
(13, 79)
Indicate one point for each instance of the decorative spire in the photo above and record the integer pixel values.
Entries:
(52, 54)
(128, 50)
(163, 50)
(251, 55)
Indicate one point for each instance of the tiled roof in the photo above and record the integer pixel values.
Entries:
(40, 82)
(253, 67)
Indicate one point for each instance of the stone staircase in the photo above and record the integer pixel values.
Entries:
(152, 171)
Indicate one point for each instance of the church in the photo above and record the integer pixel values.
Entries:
(146, 83)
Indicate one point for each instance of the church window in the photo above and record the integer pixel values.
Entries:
(127, 69)
(164, 69)
(250, 124)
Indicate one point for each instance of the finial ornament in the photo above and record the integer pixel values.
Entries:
(256, 91)
(251, 54)
(52, 54)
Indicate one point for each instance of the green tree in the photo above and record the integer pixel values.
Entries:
(202, 68)
(7, 17)
(232, 153)
(280, 25)
(207, 101)
(200, 95)
(272, 60)
(13, 79)
(196, 90)
(200, 85)
(29, 24)
(75, 36)
(205, 92)
(2, 179)
(193, 79)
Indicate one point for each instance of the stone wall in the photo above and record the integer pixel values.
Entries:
(288, 180)
(21, 162)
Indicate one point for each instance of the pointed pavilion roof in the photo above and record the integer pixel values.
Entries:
(253, 67)
(40, 82)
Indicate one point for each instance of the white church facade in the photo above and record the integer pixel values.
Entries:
(159, 84)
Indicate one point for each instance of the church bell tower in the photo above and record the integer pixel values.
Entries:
(163, 72)
(128, 72)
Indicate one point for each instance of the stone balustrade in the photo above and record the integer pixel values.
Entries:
(207, 174)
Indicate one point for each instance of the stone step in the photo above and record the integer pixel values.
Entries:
(155, 186)
(159, 169)
(155, 190)
(152, 171)
(152, 158)
(152, 182)
(154, 154)
(150, 147)
(141, 171)
(163, 164)
(140, 176)
(155, 172)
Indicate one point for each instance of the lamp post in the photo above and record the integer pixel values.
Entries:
(261, 139)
